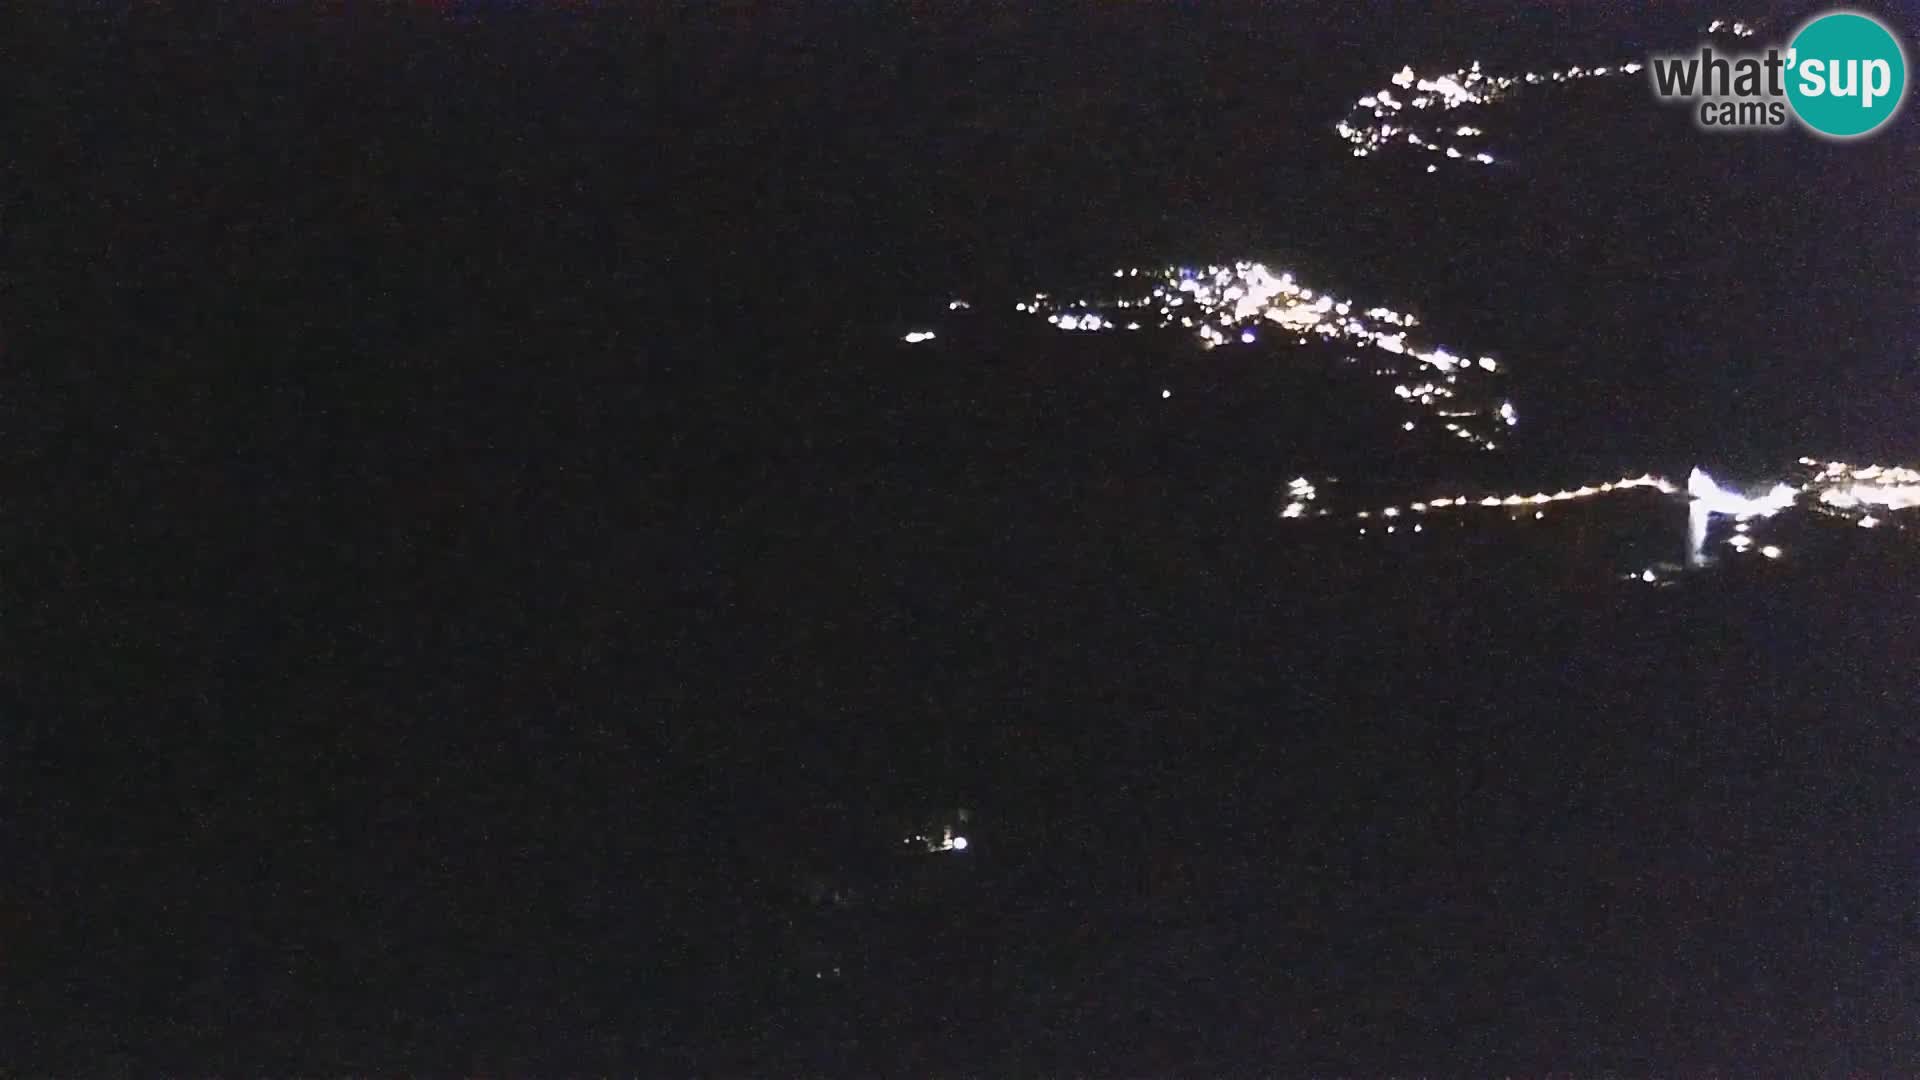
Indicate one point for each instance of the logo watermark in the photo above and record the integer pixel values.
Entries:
(1843, 75)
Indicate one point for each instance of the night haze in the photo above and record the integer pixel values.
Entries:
(952, 540)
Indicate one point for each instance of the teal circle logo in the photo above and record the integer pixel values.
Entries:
(1846, 74)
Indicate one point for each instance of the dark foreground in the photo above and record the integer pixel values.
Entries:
(491, 594)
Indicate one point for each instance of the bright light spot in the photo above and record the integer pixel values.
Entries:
(1869, 521)
(959, 843)
(1165, 394)
(918, 336)
(1770, 551)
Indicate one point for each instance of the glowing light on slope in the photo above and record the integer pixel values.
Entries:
(1380, 120)
(1229, 302)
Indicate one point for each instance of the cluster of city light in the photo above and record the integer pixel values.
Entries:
(948, 840)
(1242, 302)
(1224, 305)
(1409, 111)
(1843, 487)
(1836, 488)
(1300, 496)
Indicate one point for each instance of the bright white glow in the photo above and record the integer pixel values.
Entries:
(918, 336)
(959, 843)
(1770, 551)
(1702, 489)
(1165, 394)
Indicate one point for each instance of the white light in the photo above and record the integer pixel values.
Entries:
(918, 336)
(1869, 521)
(1770, 551)
(959, 843)
(1165, 394)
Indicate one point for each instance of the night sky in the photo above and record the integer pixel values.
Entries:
(491, 589)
